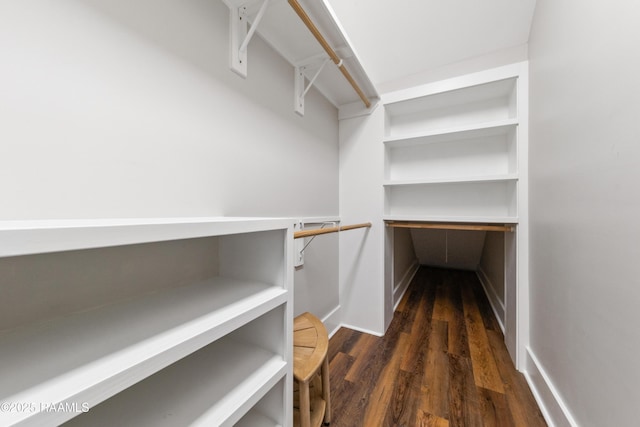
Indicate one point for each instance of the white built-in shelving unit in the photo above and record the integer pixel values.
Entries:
(213, 351)
(456, 152)
(452, 154)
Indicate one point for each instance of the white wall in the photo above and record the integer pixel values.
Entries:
(404, 255)
(316, 287)
(584, 209)
(114, 108)
(448, 248)
(491, 272)
(118, 108)
(405, 262)
(366, 299)
(475, 64)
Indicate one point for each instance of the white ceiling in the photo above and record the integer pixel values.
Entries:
(398, 38)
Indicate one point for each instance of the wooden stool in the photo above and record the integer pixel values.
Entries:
(311, 372)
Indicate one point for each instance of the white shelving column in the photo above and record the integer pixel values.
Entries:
(452, 156)
(215, 351)
(456, 151)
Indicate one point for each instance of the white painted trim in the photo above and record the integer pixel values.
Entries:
(522, 268)
(496, 304)
(363, 330)
(401, 287)
(553, 408)
(357, 109)
(333, 318)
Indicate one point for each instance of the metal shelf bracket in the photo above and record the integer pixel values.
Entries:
(241, 34)
(299, 88)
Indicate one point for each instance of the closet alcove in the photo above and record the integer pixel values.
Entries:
(480, 251)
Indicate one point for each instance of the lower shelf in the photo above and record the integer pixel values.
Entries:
(214, 387)
(268, 412)
(256, 419)
(90, 356)
(472, 199)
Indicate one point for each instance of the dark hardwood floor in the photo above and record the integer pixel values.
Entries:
(441, 363)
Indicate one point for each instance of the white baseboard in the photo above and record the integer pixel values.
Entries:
(551, 405)
(494, 301)
(365, 331)
(333, 321)
(401, 287)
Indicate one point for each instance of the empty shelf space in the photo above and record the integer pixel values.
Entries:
(215, 386)
(468, 106)
(474, 155)
(458, 133)
(256, 419)
(486, 199)
(89, 356)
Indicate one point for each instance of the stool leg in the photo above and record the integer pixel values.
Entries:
(326, 392)
(305, 406)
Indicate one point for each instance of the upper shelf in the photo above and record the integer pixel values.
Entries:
(283, 30)
(474, 131)
(452, 180)
(463, 108)
(456, 99)
(42, 236)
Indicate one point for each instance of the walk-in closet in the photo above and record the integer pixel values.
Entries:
(283, 213)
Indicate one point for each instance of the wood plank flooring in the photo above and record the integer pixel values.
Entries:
(442, 363)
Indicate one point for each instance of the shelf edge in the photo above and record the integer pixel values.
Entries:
(434, 133)
(454, 180)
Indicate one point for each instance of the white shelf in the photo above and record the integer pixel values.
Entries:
(92, 355)
(454, 157)
(214, 387)
(453, 180)
(454, 109)
(457, 97)
(454, 219)
(458, 133)
(497, 198)
(283, 30)
(256, 419)
(42, 236)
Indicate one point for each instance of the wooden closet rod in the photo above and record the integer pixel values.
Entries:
(332, 53)
(444, 226)
(309, 233)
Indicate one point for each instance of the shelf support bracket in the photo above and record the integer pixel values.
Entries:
(299, 89)
(240, 35)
